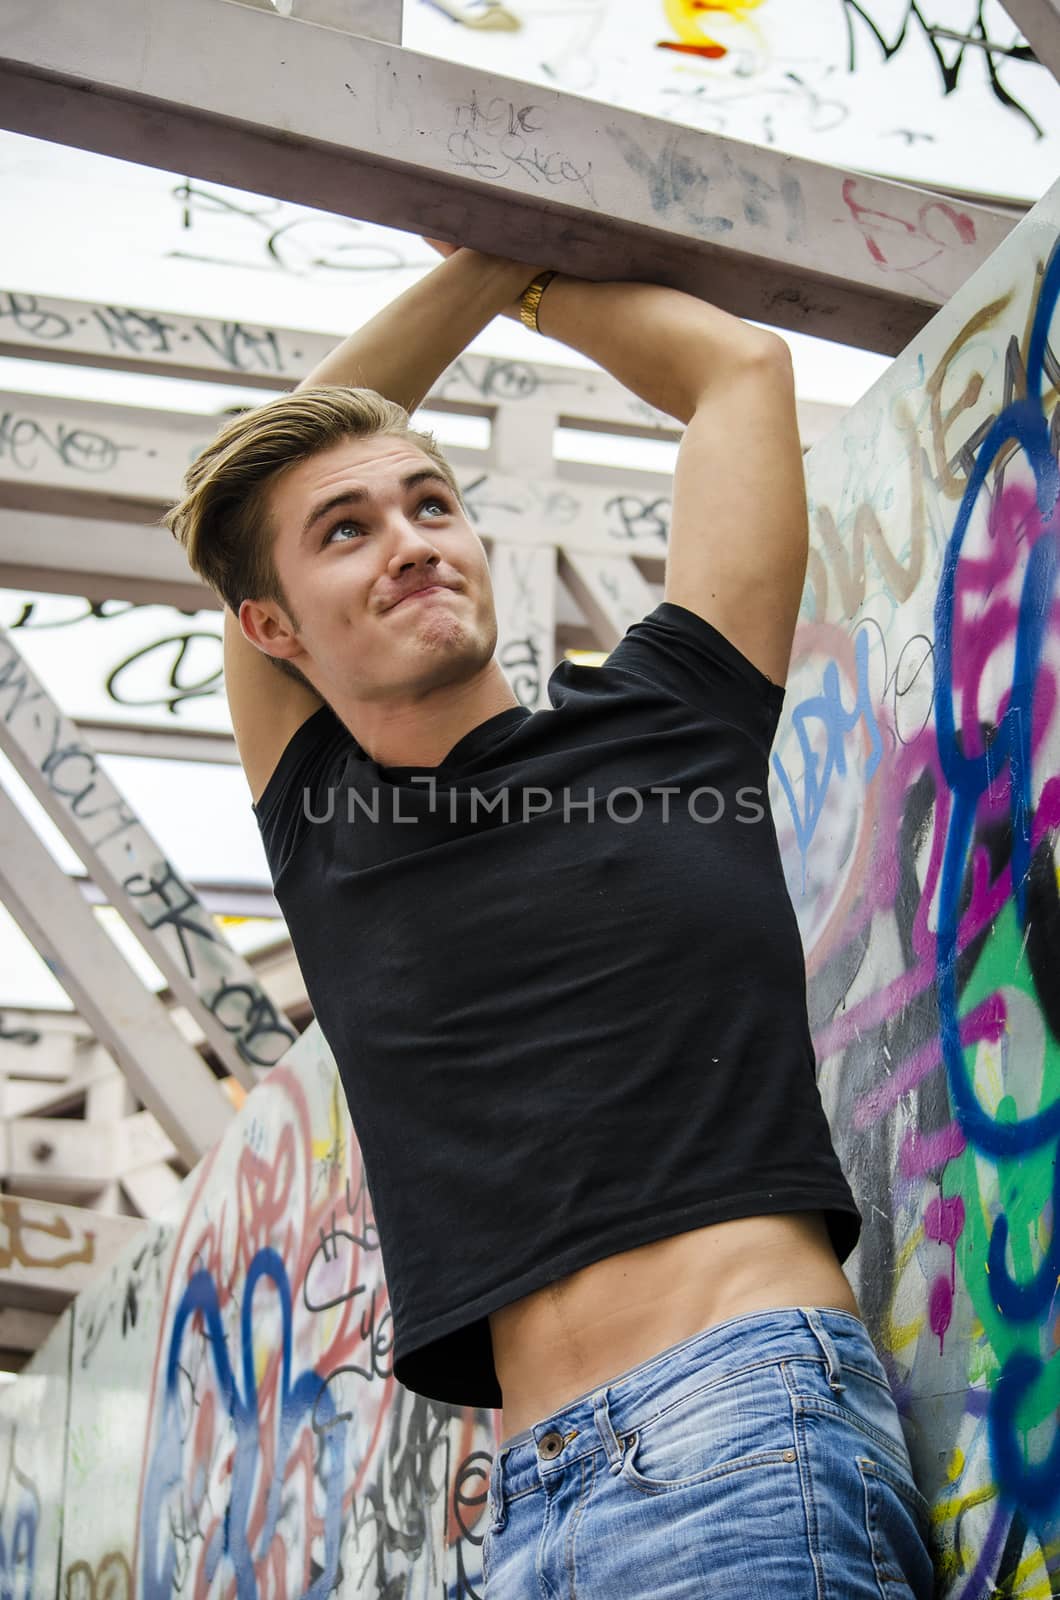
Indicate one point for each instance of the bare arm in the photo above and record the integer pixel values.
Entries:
(267, 706)
(400, 353)
(404, 350)
(738, 541)
(670, 348)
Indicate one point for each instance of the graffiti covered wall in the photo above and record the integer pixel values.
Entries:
(33, 1425)
(224, 1400)
(232, 1425)
(918, 769)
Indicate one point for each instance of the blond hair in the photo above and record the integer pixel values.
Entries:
(223, 521)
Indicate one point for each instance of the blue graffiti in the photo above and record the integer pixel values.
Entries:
(827, 710)
(1033, 1488)
(1030, 1490)
(18, 1549)
(297, 1402)
(969, 777)
(1022, 1302)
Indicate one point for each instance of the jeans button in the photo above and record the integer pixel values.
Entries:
(550, 1445)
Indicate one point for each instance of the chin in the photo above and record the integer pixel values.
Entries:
(442, 629)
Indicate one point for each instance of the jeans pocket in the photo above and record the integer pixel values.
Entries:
(876, 1414)
(720, 1428)
(865, 1403)
(898, 1525)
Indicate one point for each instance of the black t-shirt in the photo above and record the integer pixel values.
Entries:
(561, 1033)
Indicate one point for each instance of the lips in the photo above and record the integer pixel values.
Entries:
(415, 593)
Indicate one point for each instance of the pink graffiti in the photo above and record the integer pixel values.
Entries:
(922, 1153)
(985, 1022)
(940, 1308)
(944, 1223)
(986, 616)
(944, 1219)
(901, 246)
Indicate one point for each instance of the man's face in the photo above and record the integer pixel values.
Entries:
(354, 538)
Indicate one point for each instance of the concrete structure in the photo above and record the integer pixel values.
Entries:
(1040, 21)
(916, 774)
(357, 127)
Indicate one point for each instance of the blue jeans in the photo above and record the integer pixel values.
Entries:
(762, 1459)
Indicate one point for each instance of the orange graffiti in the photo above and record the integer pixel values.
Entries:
(687, 21)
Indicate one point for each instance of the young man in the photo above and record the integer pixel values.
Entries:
(573, 1034)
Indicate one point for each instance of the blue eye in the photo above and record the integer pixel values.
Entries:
(336, 528)
(431, 500)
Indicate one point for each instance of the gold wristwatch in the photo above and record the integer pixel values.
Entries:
(530, 299)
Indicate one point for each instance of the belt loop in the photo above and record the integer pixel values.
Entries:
(828, 1349)
(602, 1418)
(496, 1505)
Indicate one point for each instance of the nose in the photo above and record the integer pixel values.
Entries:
(412, 547)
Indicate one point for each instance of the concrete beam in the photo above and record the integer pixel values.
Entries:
(50, 1252)
(163, 1071)
(99, 558)
(69, 459)
(206, 974)
(525, 399)
(524, 593)
(106, 460)
(41, 1044)
(60, 1156)
(120, 338)
(609, 589)
(163, 744)
(151, 1189)
(25, 1331)
(61, 1078)
(135, 460)
(1039, 22)
(363, 129)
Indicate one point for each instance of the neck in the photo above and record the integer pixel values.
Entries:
(421, 732)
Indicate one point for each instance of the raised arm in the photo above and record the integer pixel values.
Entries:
(400, 353)
(739, 540)
(405, 349)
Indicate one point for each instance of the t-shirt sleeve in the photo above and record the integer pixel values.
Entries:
(297, 791)
(681, 652)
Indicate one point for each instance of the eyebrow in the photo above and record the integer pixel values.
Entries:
(352, 497)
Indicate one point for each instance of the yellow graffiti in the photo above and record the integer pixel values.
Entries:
(1032, 1581)
(897, 1336)
(943, 1510)
(333, 1148)
(17, 1252)
(687, 18)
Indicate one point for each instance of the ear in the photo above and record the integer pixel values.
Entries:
(265, 625)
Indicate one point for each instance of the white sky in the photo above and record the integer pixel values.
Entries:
(86, 227)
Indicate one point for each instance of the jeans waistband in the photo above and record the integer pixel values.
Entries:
(598, 1417)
